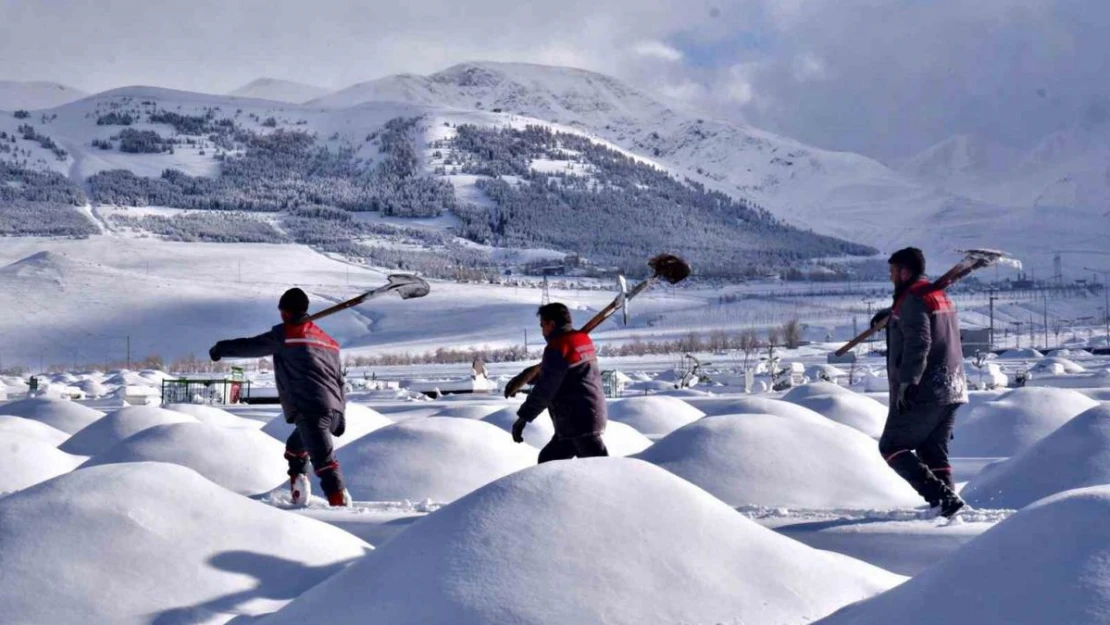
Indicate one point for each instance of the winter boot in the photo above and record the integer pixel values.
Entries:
(299, 490)
(340, 498)
(950, 505)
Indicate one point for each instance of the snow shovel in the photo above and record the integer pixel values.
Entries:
(972, 260)
(664, 266)
(403, 284)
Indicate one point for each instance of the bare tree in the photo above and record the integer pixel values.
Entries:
(748, 343)
(792, 333)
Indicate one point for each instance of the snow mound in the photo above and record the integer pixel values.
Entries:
(1015, 421)
(214, 416)
(101, 435)
(1045, 564)
(1074, 456)
(767, 460)
(759, 405)
(93, 388)
(361, 420)
(26, 460)
(1057, 366)
(1068, 353)
(654, 415)
(32, 429)
(470, 411)
(538, 433)
(62, 414)
(848, 408)
(437, 458)
(240, 460)
(498, 555)
(815, 389)
(624, 440)
(155, 543)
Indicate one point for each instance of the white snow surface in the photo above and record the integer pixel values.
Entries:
(623, 440)
(436, 458)
(143, 543)
(1049, 563)
(241, 460)
(29, 428)
(1015, 421)
(28, 460)
(506, 554)
(537, 433)
(841, 405)
(101, 435)
(214, 416)
(62, 414)
(774, 461)
(653, 415)
(1074, 456)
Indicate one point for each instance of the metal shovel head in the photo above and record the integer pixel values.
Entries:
(986, 257)
(408, 286)
(670, 268)
(622, 298)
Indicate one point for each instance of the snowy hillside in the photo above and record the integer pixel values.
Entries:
(841, 194)
(30, 96)
(280, 90)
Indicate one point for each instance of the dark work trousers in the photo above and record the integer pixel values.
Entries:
(311, 440)
(587, 446)
(915, 445)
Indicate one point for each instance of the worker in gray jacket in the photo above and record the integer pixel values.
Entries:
(569, 388)
(926, 381)
(309, 380)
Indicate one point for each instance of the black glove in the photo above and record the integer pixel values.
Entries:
(518, 430)
(903, 402)
(880, 317)
(214, 353)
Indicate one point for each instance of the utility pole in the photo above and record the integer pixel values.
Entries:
(990, 339)
(1046, 322)
(1106, 295)
(128, 351)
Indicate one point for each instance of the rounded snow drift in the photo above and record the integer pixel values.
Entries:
(143, 543)
(1074, 456)
(35, 430)
(643, 547)
(767, 460)
(537, 434)
(214, 416)
(623, 440)
(758, 405)
(240, 460)
(62, 414)
(101, 435)
(848, 408)
(1015, 421)
(437, 458)
(26, 461)
(655, 415)
(815, 389)
(1045, 564)
(473, 410)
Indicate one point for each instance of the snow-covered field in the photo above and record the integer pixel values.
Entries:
(726, 507)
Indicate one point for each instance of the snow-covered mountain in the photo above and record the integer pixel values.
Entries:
(279, 90)
(16, 95)
(960, 156)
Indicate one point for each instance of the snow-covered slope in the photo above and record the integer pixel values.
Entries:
(143, 543)
(644, 547)
(16, 95)
(1045, 564)
(280, 90)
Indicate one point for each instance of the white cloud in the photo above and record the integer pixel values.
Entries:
(657, 50)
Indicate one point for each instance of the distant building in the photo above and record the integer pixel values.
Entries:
(975, 340)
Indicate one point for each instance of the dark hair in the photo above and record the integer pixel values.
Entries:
(294, 301)
(555, 312)
(909, 258)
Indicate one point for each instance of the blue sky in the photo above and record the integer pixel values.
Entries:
(882, 77)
